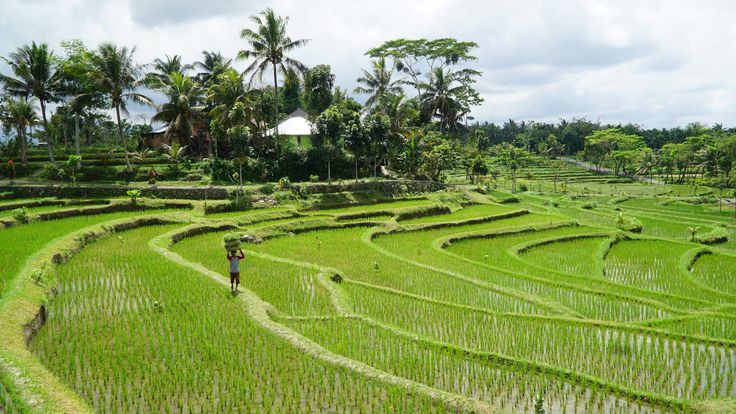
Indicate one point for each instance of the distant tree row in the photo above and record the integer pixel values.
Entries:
(418, 93)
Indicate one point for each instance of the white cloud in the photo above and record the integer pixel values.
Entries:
(657, 63)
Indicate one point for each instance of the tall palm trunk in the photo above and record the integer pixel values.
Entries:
(49, 144)
(22, 141)
(276, 105)
(122, 138)
(76, 138)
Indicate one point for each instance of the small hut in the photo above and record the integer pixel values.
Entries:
(293, 129)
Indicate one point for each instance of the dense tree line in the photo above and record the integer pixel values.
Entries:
(415, 122)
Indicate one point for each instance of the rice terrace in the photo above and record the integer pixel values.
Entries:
(285, 245)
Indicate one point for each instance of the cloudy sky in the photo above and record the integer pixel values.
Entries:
(653, 62)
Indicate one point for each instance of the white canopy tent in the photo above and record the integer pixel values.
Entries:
(296, 125)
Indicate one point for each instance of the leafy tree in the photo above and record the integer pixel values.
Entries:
(478, 168)
(35, 74)
(356, 139)
(377, 83)
(647, 162)
(183, 108)
(409, 160)
(376, 126)
(292, 91)
(626, 152)
(415, 57)
(115, 75)
(269, 45)
(337, 125)
(76, 86)
(666, 161)
(512, 158)
(318, 84)
(440, 158)
(240, 136)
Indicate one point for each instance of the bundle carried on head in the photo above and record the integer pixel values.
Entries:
(232, 241)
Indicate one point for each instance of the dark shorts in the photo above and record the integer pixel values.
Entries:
(235, 278)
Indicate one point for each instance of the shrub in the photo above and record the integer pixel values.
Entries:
(627, 223)
(53, 172)
(21, 215)
(284, 183)
(718, 235)
(314, 178)
(192, 177)
(133, 194)
(590, 205)
(268, 189)
(71, 163)
(523, 188)
(37, 277)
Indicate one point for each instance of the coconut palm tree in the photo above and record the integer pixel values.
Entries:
(183, 108)
(35, 74)
(19, 114)
(161, 68)
(269, 44)
(113, 73)
(224, 94)
(378, 83)
(212, 65)
(440, 99)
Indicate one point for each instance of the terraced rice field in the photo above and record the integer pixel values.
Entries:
(447, 302)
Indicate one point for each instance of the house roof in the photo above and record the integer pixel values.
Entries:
(160, 130)
(295, 125)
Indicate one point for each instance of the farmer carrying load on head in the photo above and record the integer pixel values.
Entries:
(235, 268)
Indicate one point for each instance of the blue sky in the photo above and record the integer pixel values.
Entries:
(653, 62)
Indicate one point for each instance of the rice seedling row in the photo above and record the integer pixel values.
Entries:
(679, 369)
(508, 389)
(131, 336)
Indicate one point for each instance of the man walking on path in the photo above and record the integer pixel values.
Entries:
(235, 268)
